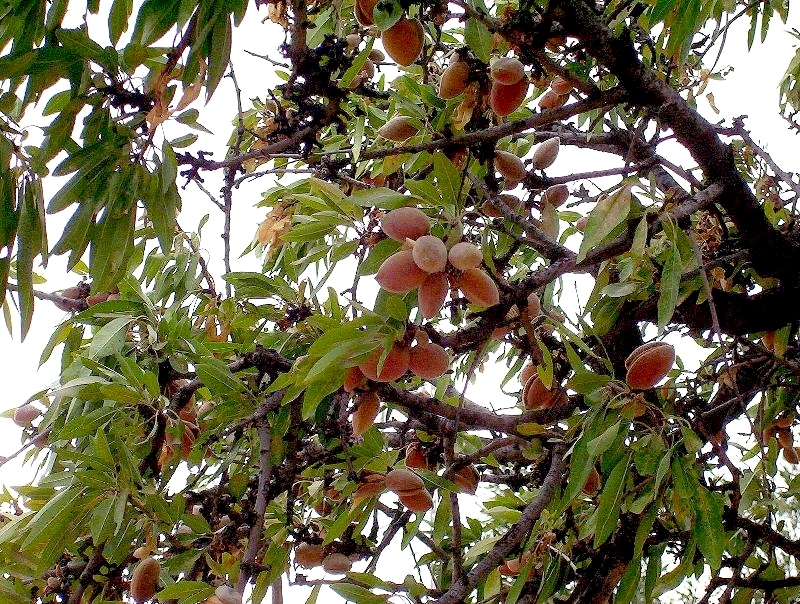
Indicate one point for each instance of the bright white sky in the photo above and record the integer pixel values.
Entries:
(750, 89)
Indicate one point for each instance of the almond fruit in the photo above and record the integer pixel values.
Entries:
(25, 415)
(507, 71)
(144, 581)
(419, 501)
(337, 564)
(405, 223)
(366, 412)
(429, 361)
(398, 129)
(556, 195)
(546, 153)
(648, 365)
(505, 99)
(432, 293)
(394, 366)
(430, 254)
(478, 287)
(402, 480)
(403, 41)
(453, 80)
(399, 273)
(509, 165)
(464, 256)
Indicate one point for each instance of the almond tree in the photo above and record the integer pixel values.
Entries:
(324, 424)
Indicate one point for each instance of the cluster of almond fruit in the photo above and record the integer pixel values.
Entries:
(312, 555)
(425, 264)
(145, 578)
(781, 430)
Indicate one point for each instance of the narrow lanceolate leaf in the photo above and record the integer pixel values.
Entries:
(611, 502)
(607, 215)
(29, 245)
(670, 287)
(708, 528)
(109, 338)
(53, 516)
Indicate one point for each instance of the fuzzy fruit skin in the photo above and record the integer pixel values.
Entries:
(580, 224)
(478, 287)
(546, 153)
(509, 165)
(432, 293)
(430, 254)
(556, 195)
(363, 11)
(416, 457)
(398, 129)
(399, 273)
(419, 501)
(337, 564)
(403, 480)
(453, 80)
(403, 41)
(394, 366)
(791, 455)
(364, 416)
(308, 555)
(25, 414)
(507, 71)
(528, 371)
(405, 223)
(648, 367)
(512, 201)
(505, 99)
(464, 256)
(428, 361)
(144, 580)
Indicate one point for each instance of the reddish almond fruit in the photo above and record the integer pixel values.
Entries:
(650, 366)
(365, 413)
(394, 366)
(507, 71)
(546, 153)
(505, 570)
(430, 254)
(505, 99)
(537, 396)
(419, 501)
(354, 379)
(96, 299)
(768, 433)
(429, 361)
(784, 422)
(556, 195)
(337, 564)
(370, 485)
(403, 480)
(376, 55)
(464, 256)
(141, 552)
(580, 224)
(144, 580)
(512, 201)
(791, 455)
(399, 273)
(212, 599)
(639, 351)
(432, 293)
(25, 415)
(478, 287)
(416, 456)
(398, 129)
(466, 479)
(528, 371)
(593, 482)
(403, 41)
(453, 80)
(405, 223)
(551, 100)
(363, 10)
(509, 165)
(560, 85)
(784, 438)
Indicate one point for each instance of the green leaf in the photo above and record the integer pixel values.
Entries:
(606, 216)
(53, 516)
(118, 18)
(670, 287)
(598, 446)
(358, 594)
(216, 376)
(708, 528)
(447, 177)
(79, 42)
(220, 54)
(386, 14)
(109, 339)
(186, 591)
(611, 502)
(102, 523)
(477, 36)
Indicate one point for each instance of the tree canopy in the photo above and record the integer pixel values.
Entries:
(219, 433)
